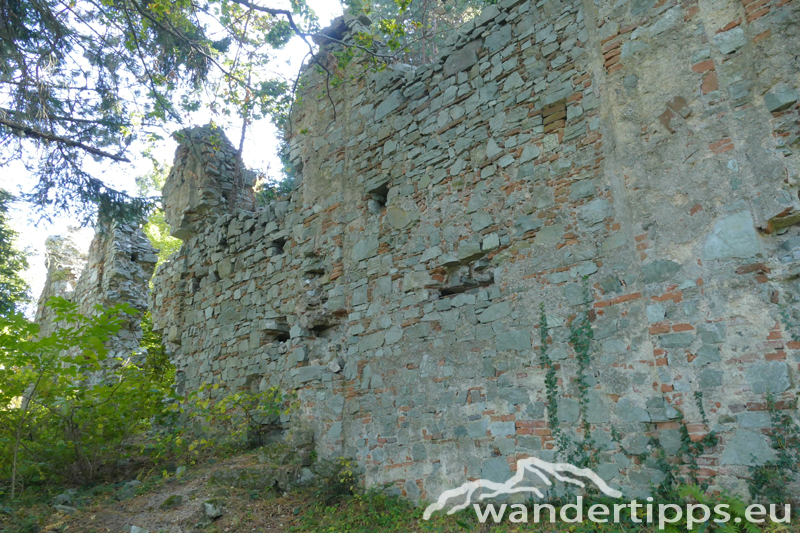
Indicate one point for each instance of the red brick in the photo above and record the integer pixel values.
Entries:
(666, 119)
(757, 14)
(658, 330)
(554, 117)
(710, 83)
(619, 299)
(706, 472)
(604, 41)
(703, 66)
(720, 147)
(613, 60)
(734, 23)
(674, 296)
(755, 5)
(754, 267)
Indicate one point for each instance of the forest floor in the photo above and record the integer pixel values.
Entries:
(242, 497)
(250, 493)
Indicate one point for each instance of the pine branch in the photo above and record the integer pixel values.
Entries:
(31, 132)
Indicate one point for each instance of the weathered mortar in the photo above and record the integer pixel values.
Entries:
(649, 149)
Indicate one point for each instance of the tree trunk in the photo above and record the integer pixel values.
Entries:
(17, 438)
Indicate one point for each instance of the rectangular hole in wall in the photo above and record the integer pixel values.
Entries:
(325, 331)
(278, 245)
(378, 196)
(466, 278)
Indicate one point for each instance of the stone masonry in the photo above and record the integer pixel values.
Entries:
(65, 261)
(636, 160)
(116, 270)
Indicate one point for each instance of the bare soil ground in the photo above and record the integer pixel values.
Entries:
(243, 510)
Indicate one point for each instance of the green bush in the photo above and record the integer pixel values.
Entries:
(214, 420)
(68, 411)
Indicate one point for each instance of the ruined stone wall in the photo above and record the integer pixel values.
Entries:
(65, 261)
(117, 269)
(648, 148)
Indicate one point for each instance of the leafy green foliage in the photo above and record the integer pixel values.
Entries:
(691, 450)
(268, 190)
(14, 290)
(770, 482)
(156, 227)
(581, 339)
(693, 494)
(67, 409)
(416, 30)
(583, 454)
(334, 479)
(71, 412)
(551, 384)
(157, 364)
(215, 419)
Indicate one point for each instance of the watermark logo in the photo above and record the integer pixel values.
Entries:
(662, 514)
(564, 472)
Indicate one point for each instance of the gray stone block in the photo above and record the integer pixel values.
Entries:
(746, 447)
(495, 312)
(780, 97)
(462, 59)
(515, 340)
(676, 340)
(515, 395)
(732, 237)
(496, 469)
(771, 377)
(658, 271)
(709, 379)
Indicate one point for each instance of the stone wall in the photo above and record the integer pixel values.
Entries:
(117, 269)
(206, 183)
(65, 261)
(636, 160)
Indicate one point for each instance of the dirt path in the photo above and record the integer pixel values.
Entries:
(242, 510)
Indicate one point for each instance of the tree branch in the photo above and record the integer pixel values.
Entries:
(31, 132)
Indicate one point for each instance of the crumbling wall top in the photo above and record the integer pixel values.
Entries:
(205, 180)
